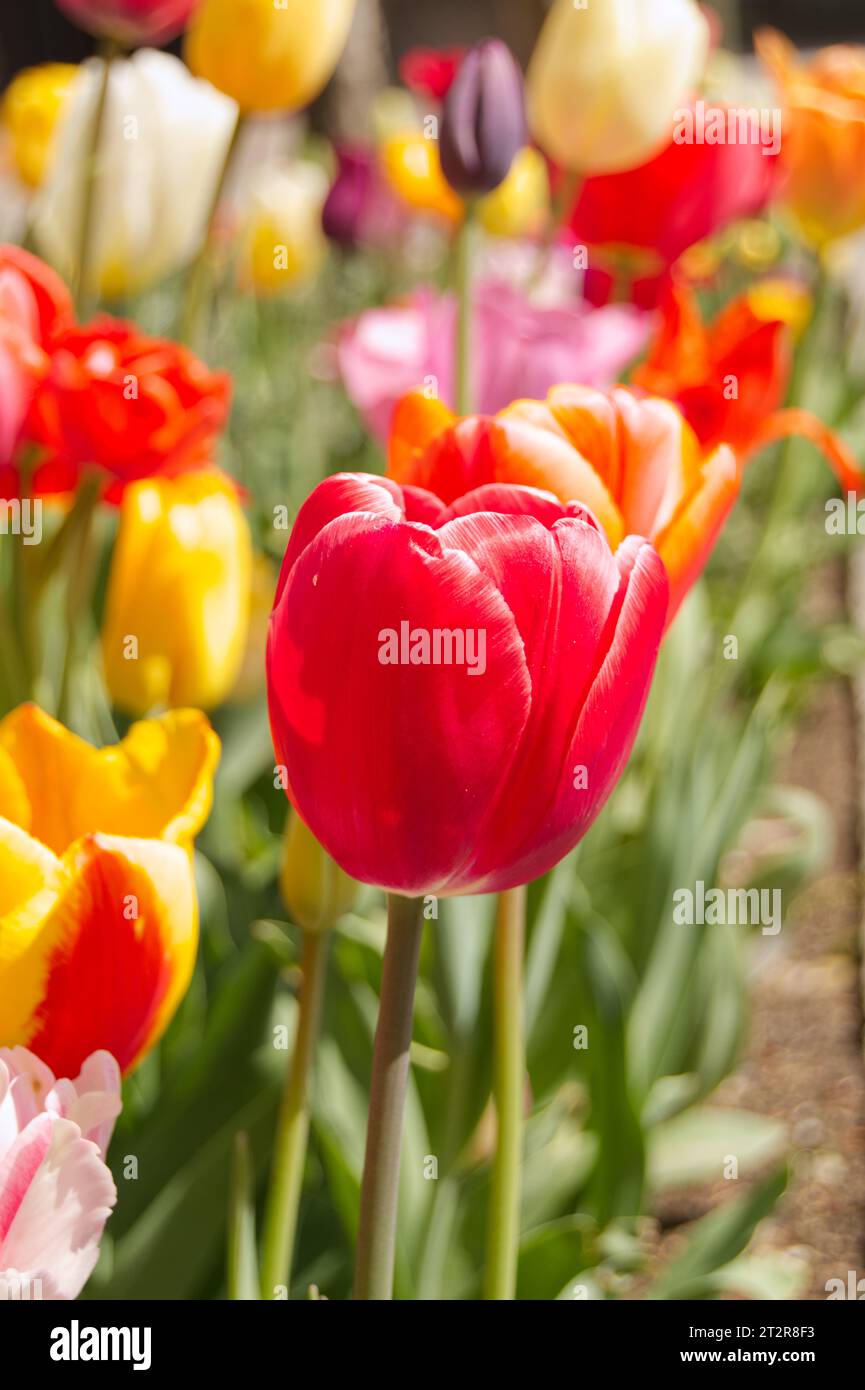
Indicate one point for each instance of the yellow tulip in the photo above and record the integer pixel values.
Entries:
(31, 109)
(283, 245)
(605, 79)
(98, 915)
(314, 888)
(412, 167)
(270, 55)
(178, 602)
(519, 206)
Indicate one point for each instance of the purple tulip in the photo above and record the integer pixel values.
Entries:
(483, 121)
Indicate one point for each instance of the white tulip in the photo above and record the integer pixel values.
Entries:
(165, 136)
(606, 78)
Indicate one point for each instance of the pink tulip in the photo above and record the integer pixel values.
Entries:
(130, 21)
(454, 691)
(520, 349)
(56, 1191)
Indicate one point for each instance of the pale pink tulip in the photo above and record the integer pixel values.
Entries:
(56, 1191)
(520, 349)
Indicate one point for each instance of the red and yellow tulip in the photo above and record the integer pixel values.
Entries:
(98, 915)
(635, 462)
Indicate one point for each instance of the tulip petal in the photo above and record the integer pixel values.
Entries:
(58, 1222)
(404, 823)
(687, 541)
(154, 783)
(122, 935)
(608, 720)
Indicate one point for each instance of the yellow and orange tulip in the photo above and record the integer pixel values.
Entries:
(824, 134)
(634, 462)
(268, 55)
(98, 914)
(412, 167)
(179, 593)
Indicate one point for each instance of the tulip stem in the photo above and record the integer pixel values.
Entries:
(80, 290)
(292, 1131)
(376, 1239)
(198, 277)
(242, 1280)
(508, 1077)
(463, 287)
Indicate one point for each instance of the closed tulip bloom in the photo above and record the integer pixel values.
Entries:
(164, 142)
(283, 245)
(411, 165)
(130, 21)
(605, 79)
(501, 655)
(179, 593)
(314, 889)
(98, 915)
(54, 1134)
(634, 462)
(269, 55)
(32, 106)
(823, 151)
(483, 124)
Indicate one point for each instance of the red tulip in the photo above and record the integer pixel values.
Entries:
(33, 301)
(429, 72)
(130, 21)
(455, 690)
(652, 214)
(127, 403)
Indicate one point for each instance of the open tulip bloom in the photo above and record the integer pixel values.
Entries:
(500, 654)
(97, 896)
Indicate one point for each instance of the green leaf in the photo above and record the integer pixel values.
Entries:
(716, 1240)
(697, 1145)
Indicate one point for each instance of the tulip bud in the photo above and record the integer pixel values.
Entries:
(269, 55)
(32, 107)
(605, 79)
(314, 888)
(483, 121)
(177, 609)
(350, 194)
(282, 242)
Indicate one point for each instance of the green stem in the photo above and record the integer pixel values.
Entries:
(241, 1272)
(508, 1077)
(81, 558)
(292, 1132)
(198, 277)
(376, 1239)
(80, 288)
(463, 287)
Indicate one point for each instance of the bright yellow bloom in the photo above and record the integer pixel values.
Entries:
(177, 610)
(31, 109)
(283, 242)
(519, 206)
(412, 167)
(776, 300)
(605, 80)
(98, 915)
(314, 888)
(270, 55)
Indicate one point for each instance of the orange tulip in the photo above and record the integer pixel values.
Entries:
(635, 463)
(823, 149)
(729, 377)
(98, 915)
